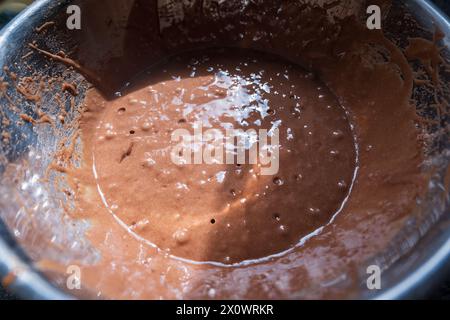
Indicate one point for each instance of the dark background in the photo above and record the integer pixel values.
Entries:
(441, 292)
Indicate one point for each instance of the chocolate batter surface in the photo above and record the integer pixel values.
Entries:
(223, 212)
(349, 173)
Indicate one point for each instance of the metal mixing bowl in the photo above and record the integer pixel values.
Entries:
(415, 264)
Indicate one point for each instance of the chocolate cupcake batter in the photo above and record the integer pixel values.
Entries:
(349, 167)
(179, 207)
